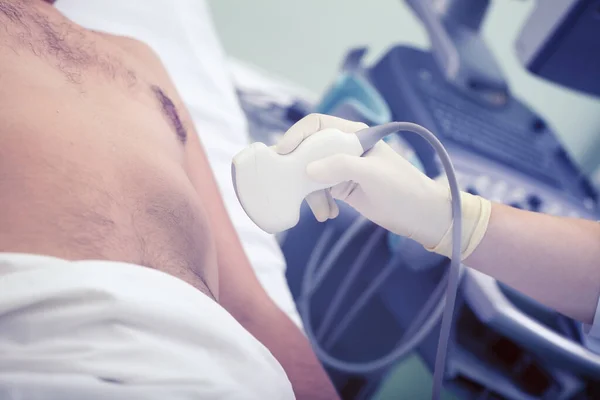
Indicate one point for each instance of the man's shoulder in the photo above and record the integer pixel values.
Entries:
(133, 47)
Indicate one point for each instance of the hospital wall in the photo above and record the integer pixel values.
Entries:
(304, 42)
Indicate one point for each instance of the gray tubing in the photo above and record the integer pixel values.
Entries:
(360, 367)
(313, 278)
(368, 137)
(404, 348)
(355, 268)
(363, 299)
(431, 308)
(313, 261)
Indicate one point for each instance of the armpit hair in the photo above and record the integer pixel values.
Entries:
(64, 44)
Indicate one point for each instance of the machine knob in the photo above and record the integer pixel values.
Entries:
(534, 201)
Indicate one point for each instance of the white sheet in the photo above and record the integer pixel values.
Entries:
(85, 331)
(182, 34)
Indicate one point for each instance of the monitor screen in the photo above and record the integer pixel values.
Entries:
(560, 42)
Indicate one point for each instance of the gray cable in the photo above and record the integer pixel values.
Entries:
(360, 367)
(313, 278)
(363, 299)
(426, 311)
(431, 308)
(315, 257)
(368, 137)
(349, 279)
(405, 346)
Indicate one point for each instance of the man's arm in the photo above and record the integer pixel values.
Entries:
(552, 259)
(241, 294)
(239, 290)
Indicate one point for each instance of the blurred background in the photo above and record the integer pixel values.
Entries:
(305, 41)
(515, 137)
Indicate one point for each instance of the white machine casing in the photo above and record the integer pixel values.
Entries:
(271, 186)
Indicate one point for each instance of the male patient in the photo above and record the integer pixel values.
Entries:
(118, 258)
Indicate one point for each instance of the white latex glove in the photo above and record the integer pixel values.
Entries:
(388, 190)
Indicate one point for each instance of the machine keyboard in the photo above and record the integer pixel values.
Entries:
(506, 143)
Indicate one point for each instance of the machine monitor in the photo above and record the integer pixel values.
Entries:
(560, 42)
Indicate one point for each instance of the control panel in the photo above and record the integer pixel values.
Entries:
(498, 184)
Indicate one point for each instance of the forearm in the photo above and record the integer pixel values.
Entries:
(551, 259)
(554, 260)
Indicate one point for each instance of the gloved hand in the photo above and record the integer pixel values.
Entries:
(388, 190)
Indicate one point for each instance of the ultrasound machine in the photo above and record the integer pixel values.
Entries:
(383, 288)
